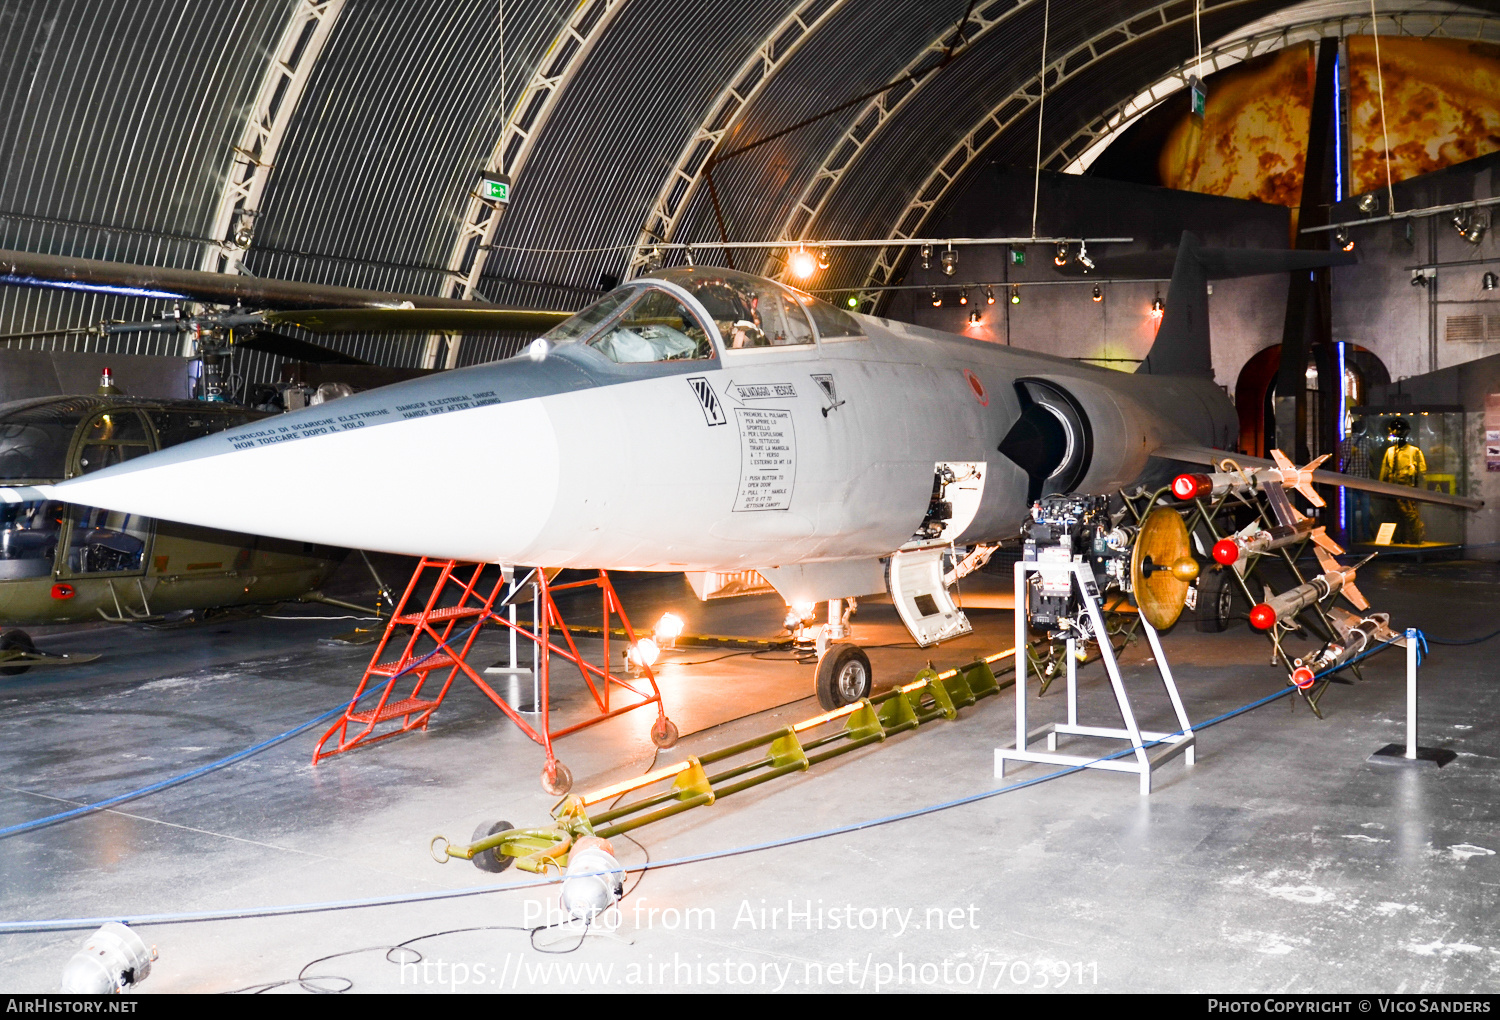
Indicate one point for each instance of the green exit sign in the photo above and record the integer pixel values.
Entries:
(494, 188)
(1018, 256)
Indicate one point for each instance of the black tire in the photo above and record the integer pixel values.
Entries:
(15, 640)
(844, 676)
(1215, 601)
(489, 860)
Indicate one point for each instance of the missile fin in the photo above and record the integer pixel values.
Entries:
(1325, 560)
(1304, 482)
(1321, 539)
(1355, 596)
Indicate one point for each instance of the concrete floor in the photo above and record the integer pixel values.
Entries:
(1281, 861)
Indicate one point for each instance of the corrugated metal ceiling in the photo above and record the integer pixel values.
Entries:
(119, 121)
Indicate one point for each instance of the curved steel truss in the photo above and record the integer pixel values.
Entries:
(754, 74)
(875, 114)
(536, 104)
(302, 42)
(951, 167)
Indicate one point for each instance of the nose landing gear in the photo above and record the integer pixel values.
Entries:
(844, 675)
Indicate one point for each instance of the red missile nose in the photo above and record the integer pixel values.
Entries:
(1262, 617)
(1226, 552)
(1188, 486)
(1302, 678)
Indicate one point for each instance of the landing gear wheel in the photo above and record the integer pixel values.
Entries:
(1215, 602)
(491, 860)
(663, 732)
(843, 675)
(15, 640)
(556, 779)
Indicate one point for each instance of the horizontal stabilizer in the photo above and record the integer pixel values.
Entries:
(1212, 457)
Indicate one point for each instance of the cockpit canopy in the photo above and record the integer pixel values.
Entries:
(640, 323)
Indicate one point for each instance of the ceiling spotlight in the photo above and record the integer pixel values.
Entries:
(1489, 281)
(1369, 203)
(803, 264)
(963, 296)
(1083, 256)
(1158, 308)
(1015, 294)
(1418, 278)
(950, 262)
(926, 256)
(1341, 236)
(1098, 293)
(1476, 230)
(937, 300)
(989, 295)
(974, 317)
(824, 259)
(1061, 258)
(853, 301)
(1460, 223)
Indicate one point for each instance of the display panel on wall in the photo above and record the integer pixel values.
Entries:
(1442, 100)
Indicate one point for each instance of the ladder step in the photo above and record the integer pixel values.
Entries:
(395, 666)
(453, 613)
(410, 706)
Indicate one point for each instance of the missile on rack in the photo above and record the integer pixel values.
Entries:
(1356, 635)
(1255, 539)
(1289, 603)
(1285, 473)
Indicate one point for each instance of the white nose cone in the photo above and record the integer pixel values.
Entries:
(477, 484)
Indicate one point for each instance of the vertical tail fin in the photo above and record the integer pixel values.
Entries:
(1182, 341)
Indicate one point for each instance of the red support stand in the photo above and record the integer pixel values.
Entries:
(437, 623)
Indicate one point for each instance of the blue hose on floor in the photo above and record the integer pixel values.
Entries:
(214, 766)
(85, 923)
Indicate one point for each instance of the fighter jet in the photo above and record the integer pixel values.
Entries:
(708, 421)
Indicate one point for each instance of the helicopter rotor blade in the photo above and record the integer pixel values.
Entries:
(270, 342)
(417, 320)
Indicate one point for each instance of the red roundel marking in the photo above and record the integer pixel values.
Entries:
(1302, 677)
(1188, 486)
(1226, 552)
(1262, 617)
(977, 387)
(63, 591)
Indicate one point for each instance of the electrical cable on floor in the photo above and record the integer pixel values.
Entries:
(322, 618)
(1466, 641)
(89, 923)
(305, 981)
(214, 766)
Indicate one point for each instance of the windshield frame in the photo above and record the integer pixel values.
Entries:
(639, 288)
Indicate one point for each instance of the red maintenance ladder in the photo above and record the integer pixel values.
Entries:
(472, 606)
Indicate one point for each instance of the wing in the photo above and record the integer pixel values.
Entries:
(1208, 455)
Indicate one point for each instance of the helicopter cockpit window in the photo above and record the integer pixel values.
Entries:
(750, 311)
(107, 541)
(657, 327)
(113, 438)
(34, 451)
(28, 537)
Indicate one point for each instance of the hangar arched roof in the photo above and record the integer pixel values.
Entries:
(129, 125)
